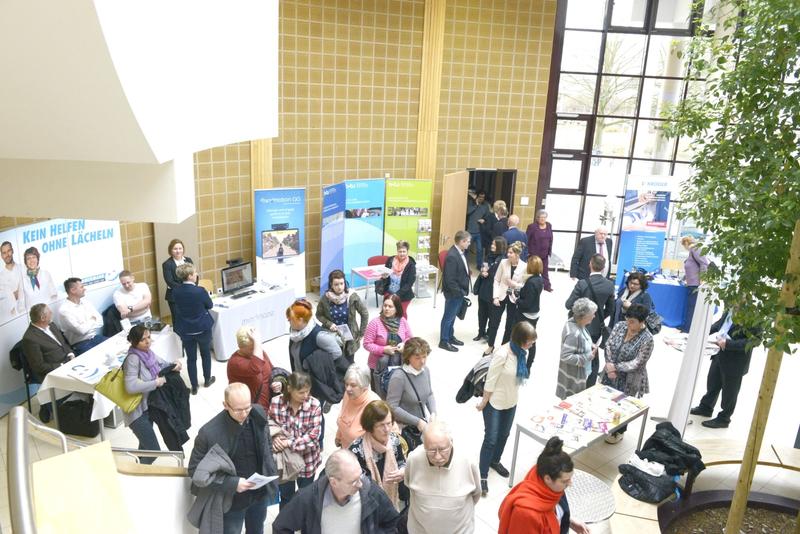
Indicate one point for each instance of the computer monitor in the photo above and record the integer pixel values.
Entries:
(237, 277)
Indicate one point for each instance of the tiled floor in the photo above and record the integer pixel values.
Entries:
(449, 369)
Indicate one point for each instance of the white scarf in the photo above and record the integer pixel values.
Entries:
(300, 335)
(410, 370)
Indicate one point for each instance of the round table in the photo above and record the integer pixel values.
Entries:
(590, 499)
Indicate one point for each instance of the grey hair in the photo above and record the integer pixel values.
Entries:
(359, 373)
(583, 307)
(541, 212)
(337, 460)
(183, 272)
(436, 427)
(37, 312)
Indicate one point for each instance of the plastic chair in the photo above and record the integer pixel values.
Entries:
(442, 258)
(377, 260)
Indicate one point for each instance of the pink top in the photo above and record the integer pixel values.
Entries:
(376, 336)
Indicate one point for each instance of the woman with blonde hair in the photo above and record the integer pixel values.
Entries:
(508, 280)
(528, 303)
(694, 264)
(251, 366)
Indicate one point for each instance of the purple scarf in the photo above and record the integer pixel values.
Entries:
(149, 359)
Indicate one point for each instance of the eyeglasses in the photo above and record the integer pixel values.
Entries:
(353, 483)
(442, 451)
(241, 410)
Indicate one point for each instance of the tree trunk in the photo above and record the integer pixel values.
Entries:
(797, 524)
(765, 394)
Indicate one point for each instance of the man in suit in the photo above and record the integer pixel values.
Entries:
(599, 290)
(514, 234)
(728, 366)
(600, 244)
(455, 286)
(45, 348)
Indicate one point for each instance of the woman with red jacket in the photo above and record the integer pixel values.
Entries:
(251, 366)
(538, 503)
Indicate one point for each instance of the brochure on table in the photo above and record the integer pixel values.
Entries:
(408, 217)
(88, 249)
(280, 237)
(332, 231)
(644, 223)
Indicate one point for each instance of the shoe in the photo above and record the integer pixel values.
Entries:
(484, 487)
(210, 381)
(488, 351)
(479, 337)
(715, 423)
(614, 438)
(500, 469)
(45, 414)
(699, 410)
(447, 346)
(456, 342)
(194, 390)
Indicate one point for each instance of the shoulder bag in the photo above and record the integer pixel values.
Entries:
(112, 385)
(411, 434)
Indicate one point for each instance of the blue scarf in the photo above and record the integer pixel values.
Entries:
(522, 368)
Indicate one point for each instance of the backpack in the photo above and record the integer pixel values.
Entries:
(383, 372)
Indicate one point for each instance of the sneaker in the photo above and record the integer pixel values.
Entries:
(500, 469)
(484, 487)
(613, 439)
(210, 381)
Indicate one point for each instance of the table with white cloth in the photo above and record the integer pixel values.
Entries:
(265, 310)
(82, 372)
(425, 270)
(581, 420)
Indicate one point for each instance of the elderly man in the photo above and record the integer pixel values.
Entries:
(341, 500)
(444, 485)
(229, 449)
(132, 300)
(45, 348)
(79, 318)
(455, 286)
(600, 244)
(514, 234)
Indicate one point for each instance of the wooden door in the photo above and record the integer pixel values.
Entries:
(453, 213)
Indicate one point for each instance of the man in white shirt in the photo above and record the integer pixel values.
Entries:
(132, 300)
(80, 320)
(10, 284)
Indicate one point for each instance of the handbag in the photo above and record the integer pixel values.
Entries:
(410, 433)
(112, 385)
(462, 310)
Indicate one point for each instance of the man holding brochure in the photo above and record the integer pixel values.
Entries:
(229, 465)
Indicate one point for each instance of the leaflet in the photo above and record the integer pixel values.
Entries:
(260, 480)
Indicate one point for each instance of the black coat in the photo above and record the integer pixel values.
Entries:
(407, 279)
(327, 374)
(455, 278)
(304, 511)
(191, 309)
(172, 399)
(168, 269)
(529, 294)
(666, 447)
(579, 267)
(604, 291)
(485, 285)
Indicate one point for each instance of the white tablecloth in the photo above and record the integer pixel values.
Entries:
(266, 311)
(82, 373)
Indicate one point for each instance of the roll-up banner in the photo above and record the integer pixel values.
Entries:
(363, 222)
(332, 232)
(644, 223)
(408, 217)
(37, 258)
(280, 237)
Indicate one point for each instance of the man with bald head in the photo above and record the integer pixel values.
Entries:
(341, 500)
(444, 485)
(599, 243)
(514, 234)
(227, 451)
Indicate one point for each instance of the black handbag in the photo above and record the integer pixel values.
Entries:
(74, 417)
(462, 311)
(412, 434)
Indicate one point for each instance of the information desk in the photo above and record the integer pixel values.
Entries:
(373, 273)
(83, 372)
(669, 299)
(266, 311)
(581, 420)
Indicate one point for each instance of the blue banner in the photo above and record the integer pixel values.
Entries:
(332, 240)
(363, 223)
(279, 231)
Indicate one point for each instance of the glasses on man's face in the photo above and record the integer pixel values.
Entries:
(352, 483)
(241, 410)
(442, 451)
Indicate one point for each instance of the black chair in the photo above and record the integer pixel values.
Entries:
(20, 362)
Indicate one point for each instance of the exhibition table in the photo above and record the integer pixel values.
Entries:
(265, 310)
(590, 499)
(669, 297)
(83, 372)
(581, 420)
(371, 273)
(425, 270)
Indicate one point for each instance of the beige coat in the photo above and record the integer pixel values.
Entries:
(503, 275)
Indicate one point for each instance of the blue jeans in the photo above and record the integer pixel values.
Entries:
(82, 346)
(496, 427)
(476, 238)
(451, 307)
(142, 428)
(190, 344)
(288, 489)
(252, 517)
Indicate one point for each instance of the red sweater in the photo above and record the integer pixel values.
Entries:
(254, 373)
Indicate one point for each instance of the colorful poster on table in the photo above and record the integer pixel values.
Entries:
(280, 237)
(37, 258)
(408, 217)
(332, 240)
(363, 223)
(644, 224)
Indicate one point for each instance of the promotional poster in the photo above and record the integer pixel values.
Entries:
(279, 230)
(332, 241)
(408, 217)
(363, 223)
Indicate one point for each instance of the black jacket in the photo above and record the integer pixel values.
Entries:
(112, 321)
(173, 400)
(604, 291)
(191, 309)
(304, 511)
(168, 269)
(455, 278)
(327, 379)
(407, 279)
(529, 295)
(666, 447)
(579, 267)
(736, 356)
(485, 285)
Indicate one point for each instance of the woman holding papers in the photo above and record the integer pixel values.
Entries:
(340, 306)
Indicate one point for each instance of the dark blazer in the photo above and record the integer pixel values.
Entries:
(579, 268)
(407, 279)
(499, 227)
(168, 269)
(735, 359)
(223, 430)
(486, 229)
(42, 352)
(529, 295)
(455, 278)
(486, 286)
(304, 511)
(604, 290)
(191, 309)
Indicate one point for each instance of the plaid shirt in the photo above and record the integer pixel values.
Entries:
(303, 429)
